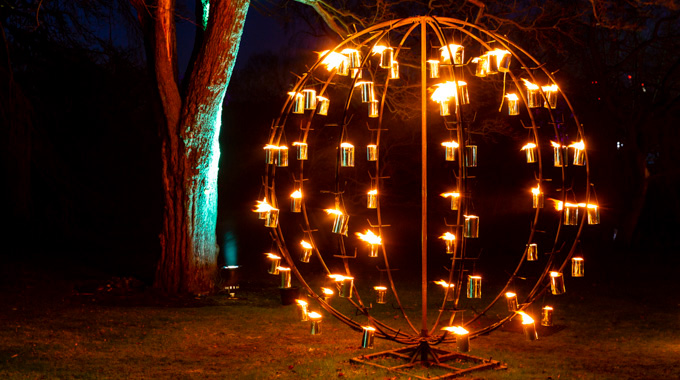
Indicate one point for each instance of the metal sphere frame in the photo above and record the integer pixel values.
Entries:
(529, 67)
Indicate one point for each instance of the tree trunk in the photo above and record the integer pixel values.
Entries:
(191, 152)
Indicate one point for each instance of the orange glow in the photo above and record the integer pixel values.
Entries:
(327, 292)
(305, 244)
(263, 206)
(510, 294)
(450, 144)
(444, 284)
(339, 277)
(299, 143)
(512, 96)
(370, 237)
(373, 192)
(273, 256)
(529, 85)
(453, 194)
(526, 319)
(285, 269)
(554, 274)
(445, 91)
(448, 236)
(346, 145)
(379, 288)
(555, 145)
(378, 49)
(301, 303)
(453, 48)
(551, 88)
(369, 328)
(314, 315)
(332, 211)
(578, 145)
(536, 190)
(529, 146)
(458, 330)
(333, 60)
(296, 194)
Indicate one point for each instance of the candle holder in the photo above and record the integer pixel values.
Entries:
(512, 301)
(433, 64)
(354, 58)
(274, 265)
(557, 283)
(298, 102)
(513, 104)
(367, 95)
(530, 150)
(394, 70)
(372, 152)
(380, 294)
(534, 98)
(374, 109)
(285, 277)
(310, 99)
(282, 160)
(452, 49)
(343, 68)
(471, 226)
(547, 316)
(323, 104)
(326, 294)
(444, 108)
(269, 157)
(502, 60)
(471, 156)
(450, 147)
(272, 219)
(532, 252)
(356, 73)
(577, 267)
(537, 198)
(579, 153)
(462, 337)
(302, 310)
(374, 250)
(455, 201)
(346, 287)
(296, 201)
(301, 150)
(315, 318)
(386, 58)
(529, 328)
(346, 155)
(463, 94)
(368, 337)
(448, 289)
(570, 214)
(482, 69)
(593, 214)
(474, 287)
(449, 239)
(306, 251)
(341, 224)
(372, 200)
(550, 93)
(560, 154)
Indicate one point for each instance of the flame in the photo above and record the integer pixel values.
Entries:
(526, 319)
(346, 145)
(332, 211)
(339, 277)
(285, 269)
(578, 258)
(512, 96)
(529, 146)
(332, 60)
(499, 53)
(578, 145)
(371, 145)
(446, 91)
(536, 190)
(370, 237)
(458, 330)
(445, 51)
(432, 61)
(269, 146)
(448, 236)
(314, 315)
(379, 49)
(321, 98)
(450, 144)
(273, 256)
(453, 194)
(555, 145)
(296, 94)
(530, 85)
(380, 288)
(349, 51)
(368, 328)
(444, 284)
(547, 308)
(510, 295)
(373, 192)
(593, 206)
(554, 274)
(305, 245)
(301, 302)
(299, 143)
(362, 82)
(469, 216)
(263, 206)
(327, 292)
(296, 194)
(551, 88)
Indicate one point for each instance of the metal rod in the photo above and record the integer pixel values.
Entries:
(423, 194)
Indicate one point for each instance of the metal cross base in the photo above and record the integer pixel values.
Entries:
(428, 356)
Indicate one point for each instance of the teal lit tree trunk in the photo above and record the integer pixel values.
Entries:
(190, 146)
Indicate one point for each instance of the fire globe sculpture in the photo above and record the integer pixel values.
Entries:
(451, 61)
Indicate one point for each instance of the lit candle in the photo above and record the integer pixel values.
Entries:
(530, 149)
(372, 152)
(528, 326)
(577, 267)
(452, 49)
(513, 104)
(474, 287)
(386, 55)
(557, 283)
(471, 226)
(272, 219)
(533, 95)
(374, 109)
(310, 99)
(275, 262)
(482, 69)
(550, 93)
(372, 200)
(512, 301)
(341, 222)
(367, 94)
(532, 252)
(579, 153)
(298, 102)
(356, 73)
(302, 310)
(450, 150)
(334, 61)
(380, 293)
(306, 251)
(262, 209)
(296, 201)
(537, 197)
(547, 316)
(499, 60)
(455, 199)
(346, 284)
(433, 64)
(570, 214)
(285, 277)
(463, 95)
(471, 156)
(282, 160)
(323, 104)
(462, 337)
(593, 214)
(326, 293)
(560, 154)
(448, 289)
(368, 337)
(354, 58)
(269, 153)
(449, 239)
(301, 150)
(373, 240)
(316, 322)
(346, 155)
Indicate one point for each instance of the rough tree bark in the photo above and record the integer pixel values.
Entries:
(190, 146)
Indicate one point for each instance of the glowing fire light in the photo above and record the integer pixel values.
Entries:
(332, 211)
(551, 88)
(378, 49)
(373, 192)
(448, 236)
(458, 330)
(453, 48)
(301, 303)
(447, 90)
(272, 256)
(444, 284)
(450, 144)
(346, 145)
(531, 146)
(296, 194)
(578, 145)
(263, 206)
(314, 315)
(536, 190)
(332, 60)
(305, 245)
(327, 292)
(512, 97)
(454, 194)
(526, 319)
(370, 237)
(555, 145)
(529, 85)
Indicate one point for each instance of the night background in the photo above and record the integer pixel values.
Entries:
(83, 202)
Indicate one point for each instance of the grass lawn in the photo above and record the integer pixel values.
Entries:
(53, 326)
